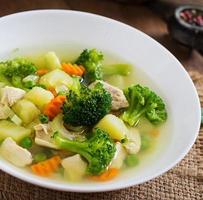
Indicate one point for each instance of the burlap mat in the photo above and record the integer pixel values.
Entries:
(184, 182)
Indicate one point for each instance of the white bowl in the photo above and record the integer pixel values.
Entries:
(46, 28)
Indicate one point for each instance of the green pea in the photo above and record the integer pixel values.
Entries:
(39, 157)
(131, 160)
(145, 142)
(26, 142)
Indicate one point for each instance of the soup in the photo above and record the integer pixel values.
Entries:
(78, 117)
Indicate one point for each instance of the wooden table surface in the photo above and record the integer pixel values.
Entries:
(139, 16)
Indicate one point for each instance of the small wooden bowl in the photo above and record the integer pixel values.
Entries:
(188, 34)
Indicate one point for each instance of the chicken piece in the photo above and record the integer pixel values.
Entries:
(118, 98)
(119, 157)
(10, 95)
(15, 153)
(44, 136)
(133, 143)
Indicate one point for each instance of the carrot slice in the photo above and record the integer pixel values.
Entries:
(73, 69)
(54, 106)
(47, 167)
(41, 72)
(107, 175)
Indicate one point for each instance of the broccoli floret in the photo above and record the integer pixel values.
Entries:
(116, 69)
(98, 150)
(86, 106)
(143, 102)
(17, 69)
(92, 61)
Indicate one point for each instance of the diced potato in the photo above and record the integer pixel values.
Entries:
(9, 129)
(74, 167)
(133, 142)
(56, 78)
(5, 112)
(15, 153)
(114, 126)
(52, 61)
(26, 110)
(39, 96)
(119, 157)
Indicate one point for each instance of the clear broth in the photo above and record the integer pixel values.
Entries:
(158, 135)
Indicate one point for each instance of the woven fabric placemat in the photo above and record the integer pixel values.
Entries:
(184, 182)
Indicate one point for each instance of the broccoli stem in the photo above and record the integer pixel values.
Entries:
(74, 146)
(118, 69)
(98, 150)
(133, 117)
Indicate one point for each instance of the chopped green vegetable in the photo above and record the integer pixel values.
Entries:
(43, 118)
(15, 119)
(39, 157)
(117, 69)
(86, 106)
(143, 102)
(92, 61)
(98, 150)
(29, 84)
(131, 160)
(30, 81)
(26, 143)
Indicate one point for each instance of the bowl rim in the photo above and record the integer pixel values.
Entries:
(55, 186)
